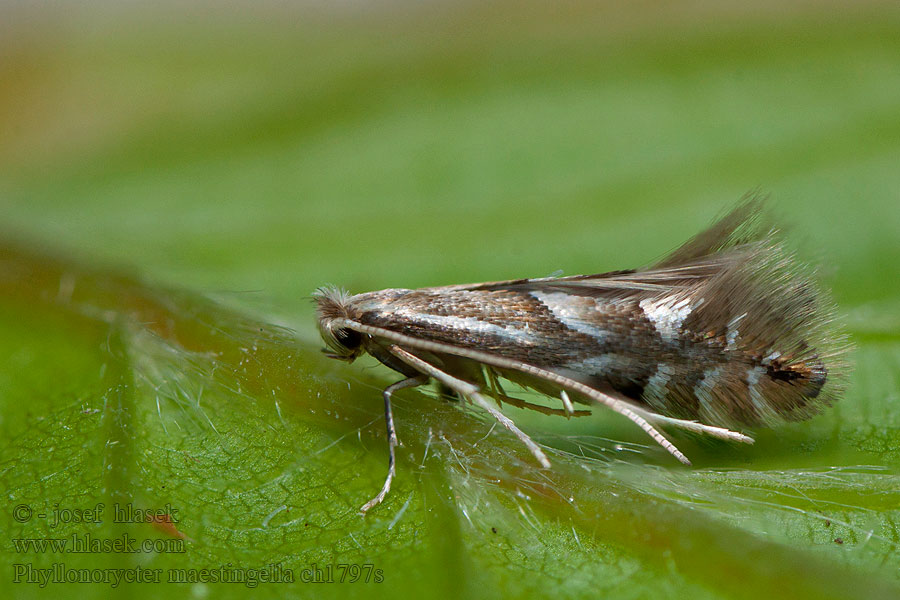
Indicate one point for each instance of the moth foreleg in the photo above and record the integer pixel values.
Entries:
(472, 392)
(393, 442)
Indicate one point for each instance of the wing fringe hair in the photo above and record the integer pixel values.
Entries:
(767, 308)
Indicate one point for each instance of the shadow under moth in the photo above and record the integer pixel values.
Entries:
(727, 331)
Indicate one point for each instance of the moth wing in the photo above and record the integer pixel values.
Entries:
(659, 280)
(743, 226)
(731, 240)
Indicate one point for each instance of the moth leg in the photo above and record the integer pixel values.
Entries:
(651, 431)
(546, 410)
(695, 426)
(470, 391)
(500, 395)
(393, 442)
(567, 404)
(692, 426)
(617, 404)
(496, 389)
(642, 419)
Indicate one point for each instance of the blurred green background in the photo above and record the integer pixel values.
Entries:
(175, 182)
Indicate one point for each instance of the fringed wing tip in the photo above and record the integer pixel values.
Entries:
(768, 304)
(746, 223)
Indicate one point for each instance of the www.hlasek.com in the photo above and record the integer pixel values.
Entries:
(86, 543)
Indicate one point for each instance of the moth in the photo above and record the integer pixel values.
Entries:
(728, 331)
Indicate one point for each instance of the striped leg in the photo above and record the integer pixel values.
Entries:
(393, 442)
(470, 391)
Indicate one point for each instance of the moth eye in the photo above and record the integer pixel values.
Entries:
(348, 338)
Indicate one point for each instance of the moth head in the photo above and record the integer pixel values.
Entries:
(343, 343)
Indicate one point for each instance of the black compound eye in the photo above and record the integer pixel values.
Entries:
(348, 338)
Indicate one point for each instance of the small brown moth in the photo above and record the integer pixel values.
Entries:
(727, 331)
